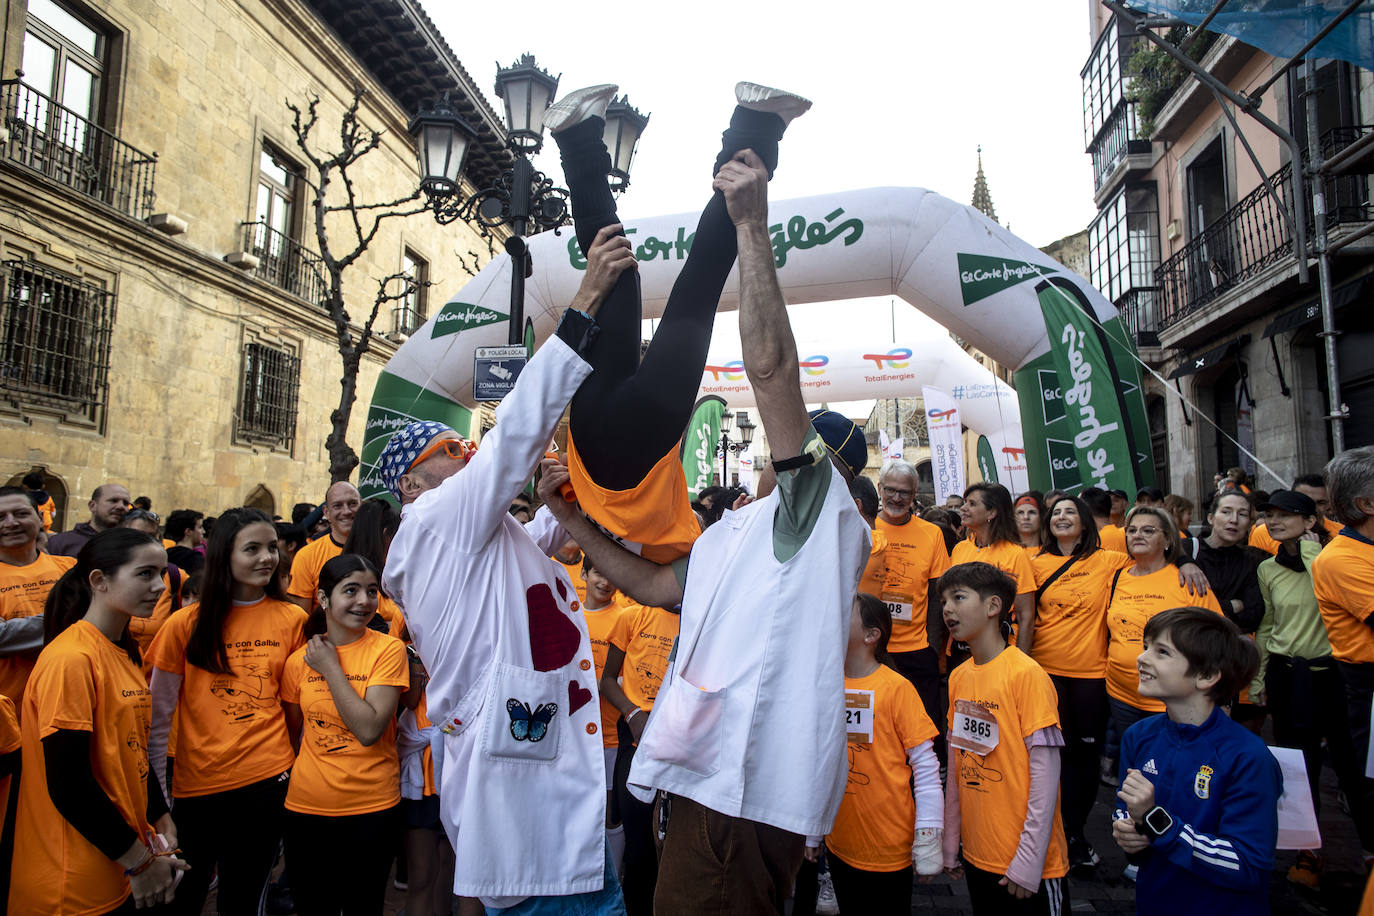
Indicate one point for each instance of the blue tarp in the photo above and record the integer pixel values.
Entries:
(1281, 27)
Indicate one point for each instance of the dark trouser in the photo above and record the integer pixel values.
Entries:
(987, 896)
(877, 892)
(922, 669)
(654, 398)
(235, 833)
(714, 864)
(1359, 693)
(1083, 720)
(1124, 715)
(340, 864)
(637, 817)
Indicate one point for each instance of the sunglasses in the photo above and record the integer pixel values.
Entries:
(454, 448)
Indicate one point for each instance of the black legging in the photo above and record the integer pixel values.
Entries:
(655, 396)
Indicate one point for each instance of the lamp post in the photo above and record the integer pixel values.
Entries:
(728, 445)
(522, 198)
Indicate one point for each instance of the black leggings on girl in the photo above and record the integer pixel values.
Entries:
(340, 864)
(654, 397)
(235, 833)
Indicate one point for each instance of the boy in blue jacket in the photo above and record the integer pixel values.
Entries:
(1198, 808)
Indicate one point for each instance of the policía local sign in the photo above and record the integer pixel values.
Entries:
(494, 371)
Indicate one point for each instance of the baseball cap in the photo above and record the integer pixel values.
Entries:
(1289, 501)
(842, 437)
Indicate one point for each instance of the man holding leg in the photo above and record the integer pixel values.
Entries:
(748, 736)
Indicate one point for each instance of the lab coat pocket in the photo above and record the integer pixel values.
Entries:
(688, 722)
(524, 720)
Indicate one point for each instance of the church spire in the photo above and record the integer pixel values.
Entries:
(982, 200)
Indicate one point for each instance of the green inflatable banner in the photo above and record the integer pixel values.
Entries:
(699, 444)
(1091, 415)
(987, 464)
(396, 403)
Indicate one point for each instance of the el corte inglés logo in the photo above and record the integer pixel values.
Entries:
(981, 276)
(461, 316)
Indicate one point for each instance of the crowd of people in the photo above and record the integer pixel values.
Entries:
(561, 685)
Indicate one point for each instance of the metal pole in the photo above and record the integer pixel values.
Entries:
(522, 179)
(1328, 333)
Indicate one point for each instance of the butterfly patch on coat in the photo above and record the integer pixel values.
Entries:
(530, 726)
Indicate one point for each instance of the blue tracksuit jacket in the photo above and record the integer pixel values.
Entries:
(1221, 786)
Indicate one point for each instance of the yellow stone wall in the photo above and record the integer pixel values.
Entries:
(203, 83)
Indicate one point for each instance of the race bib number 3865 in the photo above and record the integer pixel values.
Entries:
(974, 728)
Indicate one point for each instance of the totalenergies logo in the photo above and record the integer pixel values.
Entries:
(894, 359)
(733, 371)
(814, 365)
(1016, 454)
(938, 415)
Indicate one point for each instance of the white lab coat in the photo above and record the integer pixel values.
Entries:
(750, 719)
(525, 817)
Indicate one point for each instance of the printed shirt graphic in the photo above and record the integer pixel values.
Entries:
(915, 555)
(600, 624)
(875, 573)
(1006, 556)
(1136, 600)
(1071, 616)
(306, 566)
(655, 515)
(1343, 577)
(335, 774)
(875, 827)
(646, 636)
(994, 788)
(82, 682)
(230, 727)
(23, 589)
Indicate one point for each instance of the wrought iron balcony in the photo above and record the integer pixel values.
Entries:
(285, 262)
(68, 148)
(1117, 139)
(1253, 235)
(406, 320)
(1139, 310)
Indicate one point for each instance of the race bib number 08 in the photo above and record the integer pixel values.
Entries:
(899, 606)
(974, 729)
(858, 716)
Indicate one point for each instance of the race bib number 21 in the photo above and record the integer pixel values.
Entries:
(858, 716)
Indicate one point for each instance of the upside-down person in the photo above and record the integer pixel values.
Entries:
(498, 628)
(747, 735)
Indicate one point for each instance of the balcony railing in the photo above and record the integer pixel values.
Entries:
(76, 152)
(406, 319)
(1118, 138)
(285, 262)
(1253, 235)
(1140, 313)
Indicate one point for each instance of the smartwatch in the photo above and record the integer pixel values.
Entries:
(1156, 823)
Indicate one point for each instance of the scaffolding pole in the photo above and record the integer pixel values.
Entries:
(1336, 413)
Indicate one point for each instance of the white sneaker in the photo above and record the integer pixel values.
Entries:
(1130, 872)
(826, 904)
(764, 98)
(578, 106)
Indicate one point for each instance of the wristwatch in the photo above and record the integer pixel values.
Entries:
(1156, 823)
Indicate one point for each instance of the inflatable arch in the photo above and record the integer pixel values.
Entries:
(1082, 416)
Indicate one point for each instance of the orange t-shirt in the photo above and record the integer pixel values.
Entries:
(1259, 535)
(1005, 555)
(600, 624)
(46, 510)
(143, 629)
(646, 636)
(654, 519)
(574, 571)
(82, 682)
(1113, 537)
(915, 555)
(422, 720)
(1071, 615)
(876, 824)
(9, 743)
(305, 568)
(1135, 601)
(334, 773)
(390, 611)
(23, 589)
(875, 572)
(1343, 578)
(994, 788)
(230, 727)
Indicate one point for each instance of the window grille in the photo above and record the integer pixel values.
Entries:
(55, 340)
(267, 401)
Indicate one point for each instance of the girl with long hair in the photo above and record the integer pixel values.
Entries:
(217, 666)
(993, 538)
(373, 528)
(340, 693)
(93, 824)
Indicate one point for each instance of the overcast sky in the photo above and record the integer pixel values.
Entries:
(904, 95)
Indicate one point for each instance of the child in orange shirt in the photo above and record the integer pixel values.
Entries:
(602, 606)
(1002, 792)
(882, 830)
(339, 693)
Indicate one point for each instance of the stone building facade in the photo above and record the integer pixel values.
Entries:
(1199, 259)
(159, 316)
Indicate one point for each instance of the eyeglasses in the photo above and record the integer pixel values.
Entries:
(1149, 530)
(454, 448)
(898, 494)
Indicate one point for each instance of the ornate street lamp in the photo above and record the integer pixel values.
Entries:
(728, 445)
(522, 198)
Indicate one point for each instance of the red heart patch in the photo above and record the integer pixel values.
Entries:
(562, 589)
(578, 696)
(554, 639)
